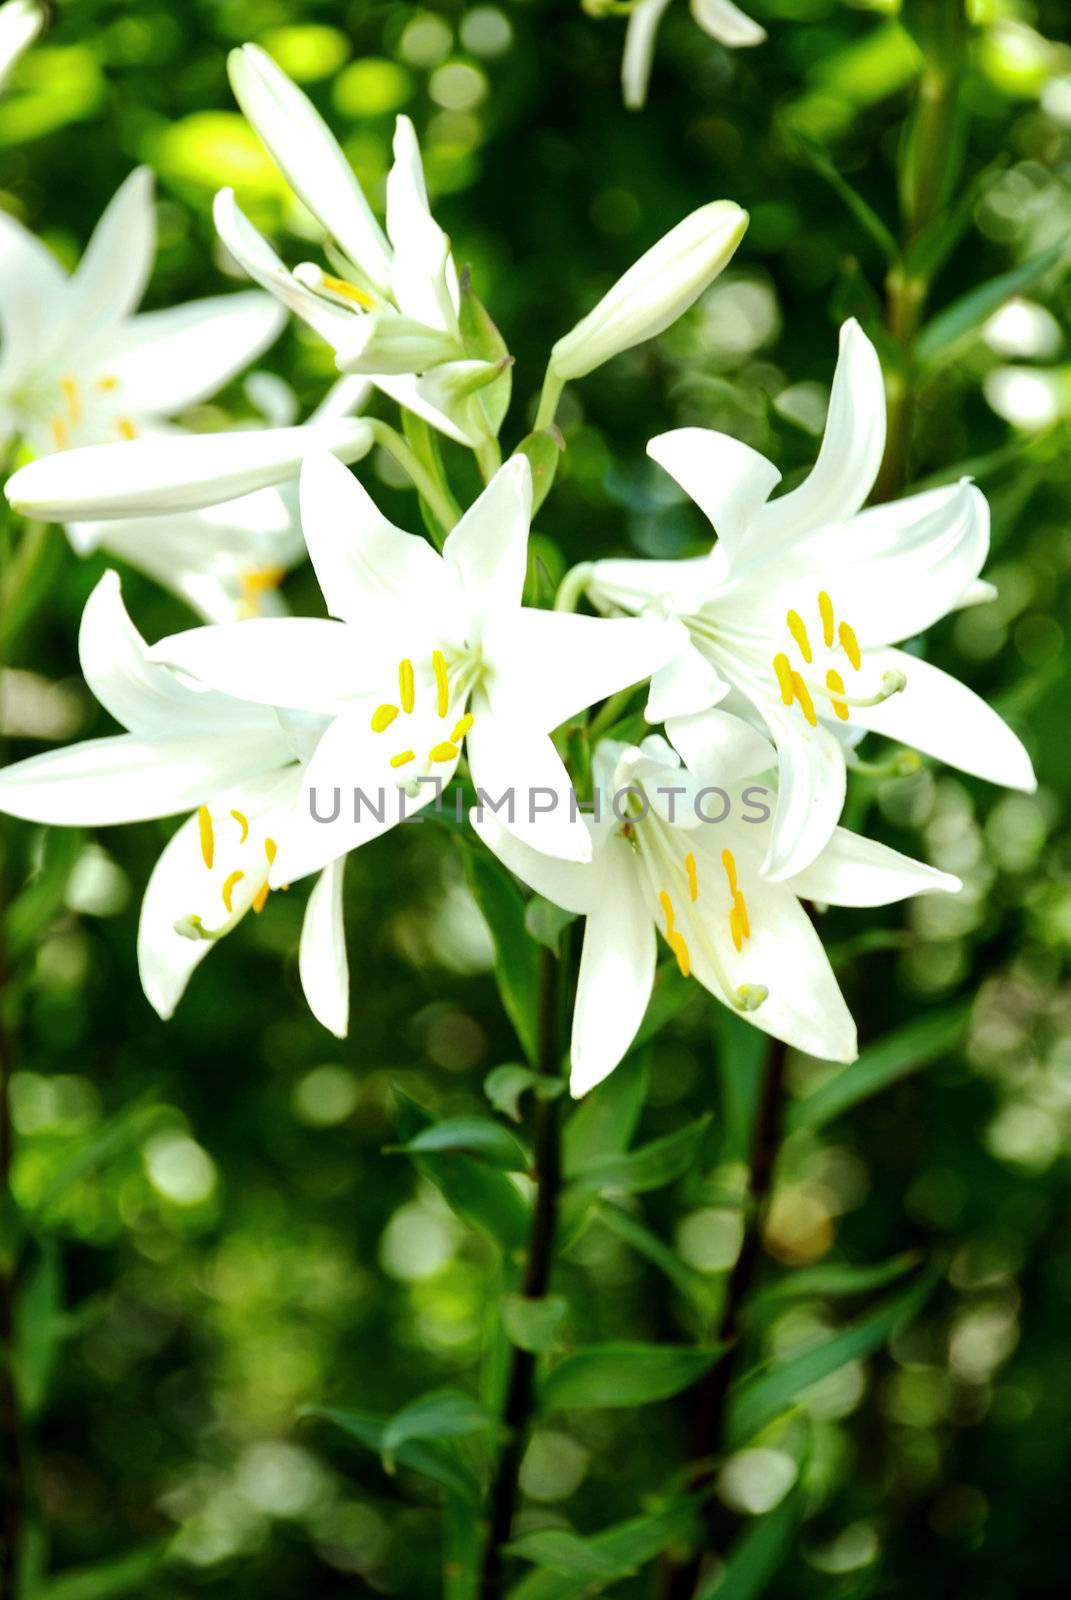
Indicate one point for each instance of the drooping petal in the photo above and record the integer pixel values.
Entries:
(310, 158)
(422, 273)
(489, 546)
(549, 665)
(111, 277)
(573, 885)
(179, 472)
(305, 663)
(638, 58)
(848, 459)
(617, 967)
(166, 960)
(728, 481)
(325, 974)
(940, 716)
(164, 361)
(510, 757)
(251, 251)
(727, 23)
(854, 871)
(811, 790)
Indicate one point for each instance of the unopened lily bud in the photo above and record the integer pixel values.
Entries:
(386, 342)
(655, 291)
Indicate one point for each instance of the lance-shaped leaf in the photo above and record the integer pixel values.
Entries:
(628, 1545)
(605, 1121)
(756, 1556)
(652, 1166)
(439, 1414)
(880, 1065)
(693, 1285)
(831, 1280)
(437, 1459)
(516, 958)
(471, 1136)
(560, 1550)
(624, 1374)
(504, 1086)
(106, 1580)
(942, 335)
(43, 897)
(533, 1324)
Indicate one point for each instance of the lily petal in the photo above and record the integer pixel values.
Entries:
(422, 273)
(687, 684)
(638, 58)
(166, 360)
(854, 871)
(727, 23)
(251, 251)
(325, 975)
(813, 782)
(33, 297)
(489, 546)
(112, 275)
(573, 885)
(728, 481)
(304, 663)
(167, 961)
(720, 749)
(507, 756)
(617, 968)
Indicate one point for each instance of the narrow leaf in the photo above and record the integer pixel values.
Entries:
(516, 957)
(533, 1324)
(472, 1136)
(439, 1414)
(629, 1545)
(832, 1280)
(755, 1557)
(624, 1374)
(860, 209)
(433, 1458)
(652, 1166)
(504, 1086)
(697, 1289)
(563, 1551)
(107, 1580)
(607, 1117)
(41, 900)
(880, 1065)
(941, 335)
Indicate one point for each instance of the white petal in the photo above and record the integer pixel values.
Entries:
(325, 974)
(728, 481)
(252, 251)
(166, 960)
(639, 50)
(305, 663)
(853, 871)
(549, 665)
(422, 276)
(684, 685)
(720, 749)
(569, 884)
(848, 459)
(112, 274)
(489, 546)
(509, 757)
(940, 716)
(167, 360)
(811, 790)
(727, 23)
(180, 472)
(20, 23)
(617, 967)
(630, 585)
(345, 398)
(33, 298)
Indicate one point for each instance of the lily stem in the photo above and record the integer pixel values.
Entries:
(517, 1408)
(711, 1404)
(548, 401)
(431, 490)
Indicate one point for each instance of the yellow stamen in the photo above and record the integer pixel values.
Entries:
(208, 838)
(73, 398)
(728, 861)
(667, 907)
(444, 752)
(229, 886)
(693, 876)
(680, 950)
(825, 607)
(835, 685)
(348, 291)
(382, 717)
(784, 677)
(803, 695)
(126, 427)
(243, 823)
(442, 682)
(107, 381)
(406, 689)
(462, 728)
(846, 634)
(402, 758)
(260, 899)
(735, 927)
(260, 579)
(271, 850)
(799, 633)
(60, 433)
(740, 908)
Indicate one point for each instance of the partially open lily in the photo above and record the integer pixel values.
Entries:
(237, 766)
(678, 849)
(721, 19)
(796, 610)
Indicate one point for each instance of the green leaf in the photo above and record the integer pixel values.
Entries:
(565, 1552)
(671, 993)
(41, 901)
(433, 1458)
(944, 332)
(696, 1288)
(860, 209)
(832, 1280)
(471, 1136)
(483, 342)
(504, 1086)
(481, 1196)
(546, 922)
(606, 1119)
(756, 1556)
(769, 1392)
(742, 1053)
(120, 1134)
(879, 1066)
(929, 252)
(40, 1328)
(652, 1166)
(439, 1414)
(624, 1374)
(629, 1545)
(533, 1324)
(106, 1580)
(516, 957)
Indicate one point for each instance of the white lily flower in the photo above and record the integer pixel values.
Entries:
(79, 366)
(796, 610)
(678, 849)
(719, 18)
(431, 654)
(237, 765)
(391, 309)
(212, 517)
(20, 23)
(655, 291)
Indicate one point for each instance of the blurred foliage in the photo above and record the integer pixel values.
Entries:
(228, 1253)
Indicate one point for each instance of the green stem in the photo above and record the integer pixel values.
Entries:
(548, 400)
(489, 458)
(611, 711)
(431, 488)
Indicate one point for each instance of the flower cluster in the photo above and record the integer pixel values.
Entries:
(765, 661)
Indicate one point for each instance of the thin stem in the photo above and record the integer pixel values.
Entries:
(712, 1394)
(12, 1467)
(431, 490)
(611, 711)
(516, 1411)
(548, 400)
(489, 459)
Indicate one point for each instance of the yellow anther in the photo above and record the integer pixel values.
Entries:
(680, 950)
(442, 682)
(260, 899)
(243, 822)
(799, 633)
(402, 758)
(208, 838)
(261, 579)
(271, 850)
(728, 861)
(462, 728)
(229, 887)
(846, 634)
(444, 752)
(667, 907)
(803, 695)
(106, 382)
(60, 432)
(784, 677)
(406, 688)
(835, 685)
(348, 291)
(73, 398)
(736, 927)
(126, 427)
(382, 717)
(693, 876)
(740, 908)
(825, 607)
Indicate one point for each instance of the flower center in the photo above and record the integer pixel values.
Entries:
(449, 747)
(192, 926)
(799, 688)
(71, 410)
